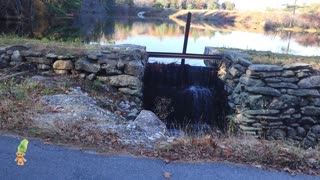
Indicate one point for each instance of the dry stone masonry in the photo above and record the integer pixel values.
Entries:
(121, 66)
(273, 101)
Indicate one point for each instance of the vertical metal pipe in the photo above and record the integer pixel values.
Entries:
(186, 37)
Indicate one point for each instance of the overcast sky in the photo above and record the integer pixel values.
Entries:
(262, 4)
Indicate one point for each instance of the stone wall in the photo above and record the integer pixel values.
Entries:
(273, 101)
(121, 66)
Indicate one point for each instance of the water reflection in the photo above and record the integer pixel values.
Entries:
(163, 35)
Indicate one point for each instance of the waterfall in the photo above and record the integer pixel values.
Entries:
(194, 105)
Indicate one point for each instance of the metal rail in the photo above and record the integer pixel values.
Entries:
(187, 56)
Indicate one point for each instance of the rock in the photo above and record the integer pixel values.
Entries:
(301, 132)
(289, 111)
(51, 56)
(43, 67)
(3, 62)
(234, 72)
(284, 102)
(316, 129)
(262, 74)
(134, 92)
(283, 85)
(278, 134)
(124, 81)
(134, 68)
(303, 74)
(291, 132)
(92, 57)
(18, 48)
(268, 118)
(87, 66)
(256, 102)
(304, 102)
(311, 111)
(62, 72)
(264, 68)
(66, 57)
(288, 73)
(91, 77)
(297, 66)
(262, 112)
(251, 82)
(308, 120)
(290, 80)
(151, 125)
(264, 91)
(244, 62)
(40, 60)
(120, 65)
(29, 53)
(111, 69)
(241, 68)
(304, 92)
(16, 56)
(273, 80)
(63, 65)
(316, 101)
(247, 128)
(310, 82)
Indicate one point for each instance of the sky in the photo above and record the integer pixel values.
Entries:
(262, 4)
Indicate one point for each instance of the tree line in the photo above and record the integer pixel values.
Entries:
(28, 9)
(189, 4)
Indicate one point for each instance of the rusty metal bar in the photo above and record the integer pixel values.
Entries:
(186, 37)
(186, 55)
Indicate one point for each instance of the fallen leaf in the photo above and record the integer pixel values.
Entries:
(166, 161)
(55, 111)
(167, 175)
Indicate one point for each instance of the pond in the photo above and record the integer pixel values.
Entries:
(164, 35)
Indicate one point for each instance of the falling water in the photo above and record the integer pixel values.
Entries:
(194, 105)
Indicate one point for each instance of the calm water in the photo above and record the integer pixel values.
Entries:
(163, 35)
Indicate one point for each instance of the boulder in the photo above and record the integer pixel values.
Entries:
(151, 125)
(310, 82)
(134, 92)
(63, 65)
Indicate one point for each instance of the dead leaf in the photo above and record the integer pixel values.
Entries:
(55, 110)
(113, 140)
(167, 175)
